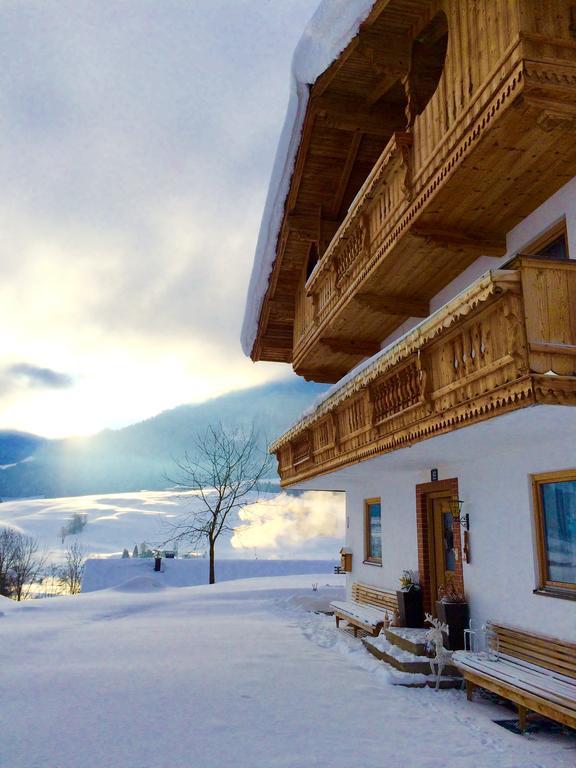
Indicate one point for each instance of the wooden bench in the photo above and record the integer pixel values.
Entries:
(367, 608)
(537, 673)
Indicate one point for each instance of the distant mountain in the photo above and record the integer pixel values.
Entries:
(17, 446)
(142, 455)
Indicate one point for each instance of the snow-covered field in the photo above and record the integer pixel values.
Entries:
(237, 674)
(310, 527)
(107, 573)
(114, 521)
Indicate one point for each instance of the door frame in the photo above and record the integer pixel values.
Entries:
(426, 565)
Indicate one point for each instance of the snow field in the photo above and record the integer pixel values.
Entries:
(111, 572)
(236, 674)
(273, 525)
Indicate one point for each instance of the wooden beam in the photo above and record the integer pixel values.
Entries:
(326, 78)
(487, 244)
(389, 58)
(346, 173)
(386, 82)
(354, 114)
(283, 302)
(394, 305)
(304, 226)
(321, 375)
(350, 346)
(308, 228)
(386, 54)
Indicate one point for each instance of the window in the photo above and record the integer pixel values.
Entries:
(555, 507)
(312, 260)
(553, 244)
(427, 63)
(373, 527)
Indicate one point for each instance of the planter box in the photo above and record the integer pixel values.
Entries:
(410, 608)
(456, 615)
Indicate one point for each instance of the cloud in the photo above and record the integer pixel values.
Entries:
(24, 376)
(137, 144)
(33, 376)
(287, 521)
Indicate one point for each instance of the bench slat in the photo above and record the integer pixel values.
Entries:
(548, 652)
(545, 640)
(521, 697)
(538, 668)
(535, 671)
(366, 613)
(368, 607)
(529, 682)
(538, 678)
(543, 661)
(566, 655)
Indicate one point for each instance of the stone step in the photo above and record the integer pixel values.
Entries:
(414, 665)
(403, 660)
(410, 639)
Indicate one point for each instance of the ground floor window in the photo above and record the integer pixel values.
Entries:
(555, 507)
(373, 528)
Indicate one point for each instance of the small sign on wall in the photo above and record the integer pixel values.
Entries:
(433, 475)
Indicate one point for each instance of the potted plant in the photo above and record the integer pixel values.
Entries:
(452, 609)
(409, 598)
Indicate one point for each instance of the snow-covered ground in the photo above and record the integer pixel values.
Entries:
(114, 521)
(310, 526)
(107, 573)
(237, 674)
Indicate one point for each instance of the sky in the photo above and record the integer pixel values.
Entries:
(137, 142)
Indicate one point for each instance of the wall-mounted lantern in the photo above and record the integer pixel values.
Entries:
(464, 520)
(456, 509)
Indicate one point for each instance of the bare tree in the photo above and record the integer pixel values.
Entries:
(27, 565)
(225, 470)
(71, 573)
(8, 551)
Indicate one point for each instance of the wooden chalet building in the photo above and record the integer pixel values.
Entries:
(419, 254)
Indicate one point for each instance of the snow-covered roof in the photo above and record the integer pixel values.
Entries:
(331, 29)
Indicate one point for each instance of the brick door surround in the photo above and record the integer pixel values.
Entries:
(423, 490)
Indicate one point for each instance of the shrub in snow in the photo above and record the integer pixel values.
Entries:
(71, 573)
(75, 525)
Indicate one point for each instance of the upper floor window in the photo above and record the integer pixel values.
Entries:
(555, 507)
(373, 528)
(312, 260)
(427, 63)
(553, 244)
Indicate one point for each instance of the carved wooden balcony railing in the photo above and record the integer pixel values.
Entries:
(507, 342)
(471, 166)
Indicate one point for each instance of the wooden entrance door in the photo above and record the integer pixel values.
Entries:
(443, 555)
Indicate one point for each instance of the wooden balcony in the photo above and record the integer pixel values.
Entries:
(442, 193)
(507, 342)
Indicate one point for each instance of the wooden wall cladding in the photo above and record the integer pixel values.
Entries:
(509, 342)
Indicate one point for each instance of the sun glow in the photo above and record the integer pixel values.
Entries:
(115, 390)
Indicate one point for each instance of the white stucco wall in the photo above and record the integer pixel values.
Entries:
(493, 462)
